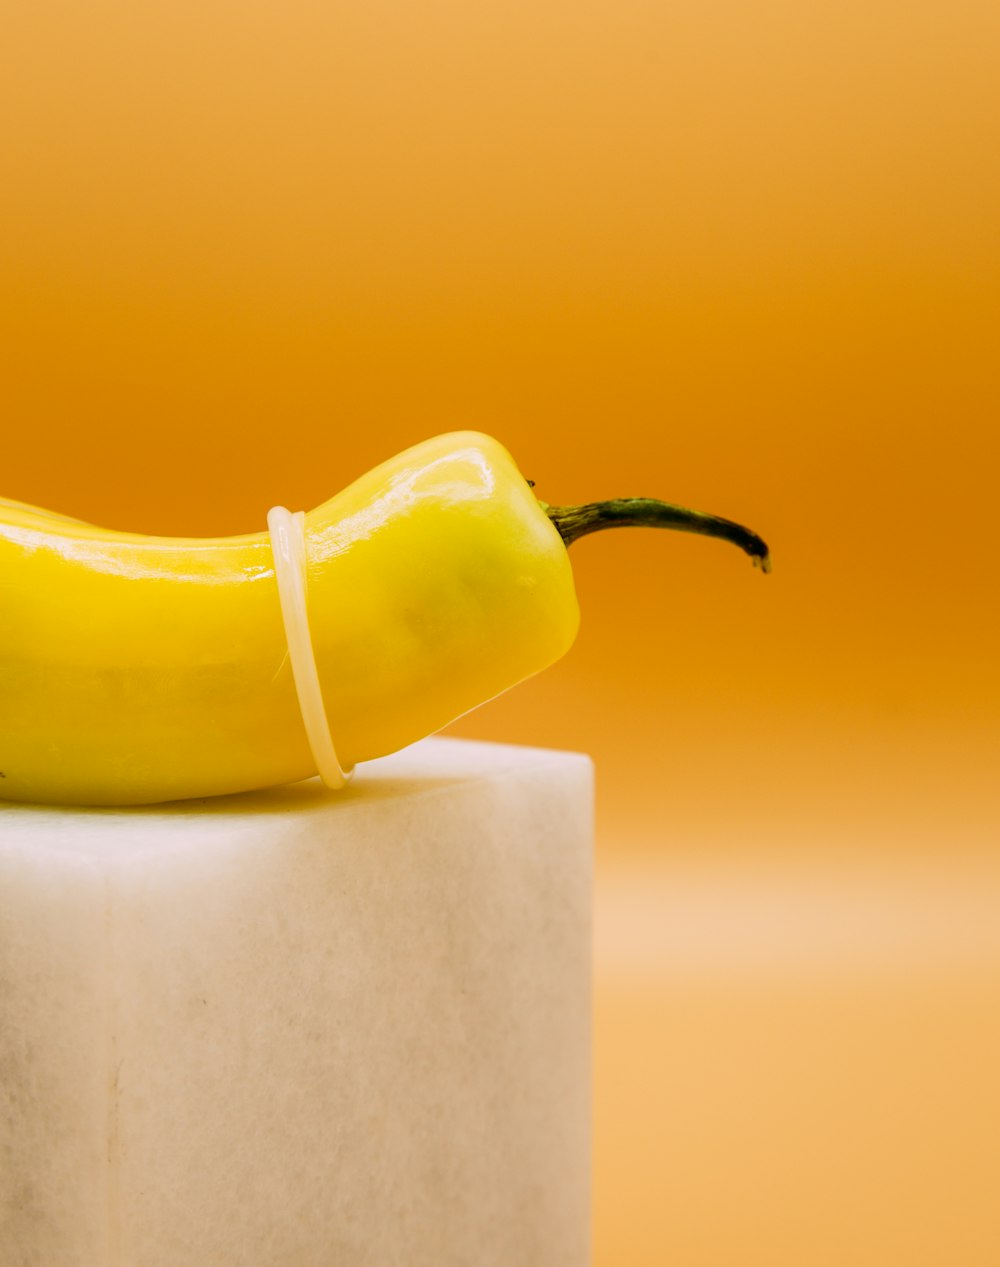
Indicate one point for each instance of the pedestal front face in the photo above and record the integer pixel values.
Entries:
(303, 1029)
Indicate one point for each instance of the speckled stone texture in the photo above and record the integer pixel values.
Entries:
(303, 1029)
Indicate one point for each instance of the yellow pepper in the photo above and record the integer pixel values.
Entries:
(137, 669)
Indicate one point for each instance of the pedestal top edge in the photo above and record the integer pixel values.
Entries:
(428, 767)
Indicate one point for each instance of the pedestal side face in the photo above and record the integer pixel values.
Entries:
(356, 1029)
(56, 1062)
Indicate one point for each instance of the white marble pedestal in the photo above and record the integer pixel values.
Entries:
(303, 1029)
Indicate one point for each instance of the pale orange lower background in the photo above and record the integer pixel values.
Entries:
(797, 1065)
(742, 256)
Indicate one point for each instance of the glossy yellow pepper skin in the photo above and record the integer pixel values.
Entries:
(138, 669)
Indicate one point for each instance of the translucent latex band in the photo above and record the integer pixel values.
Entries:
(288, 545)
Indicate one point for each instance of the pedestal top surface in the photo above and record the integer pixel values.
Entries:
(425, 768)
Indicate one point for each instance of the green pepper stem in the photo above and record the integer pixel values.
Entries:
(573, 522)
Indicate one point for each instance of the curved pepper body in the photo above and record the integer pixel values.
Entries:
(138, 669)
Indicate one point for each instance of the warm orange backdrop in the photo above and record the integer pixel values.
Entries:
(745, 255)
(742, 255)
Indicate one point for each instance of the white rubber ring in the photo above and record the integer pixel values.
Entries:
(288, 546)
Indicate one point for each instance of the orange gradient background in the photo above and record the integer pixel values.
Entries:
(745, 256)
